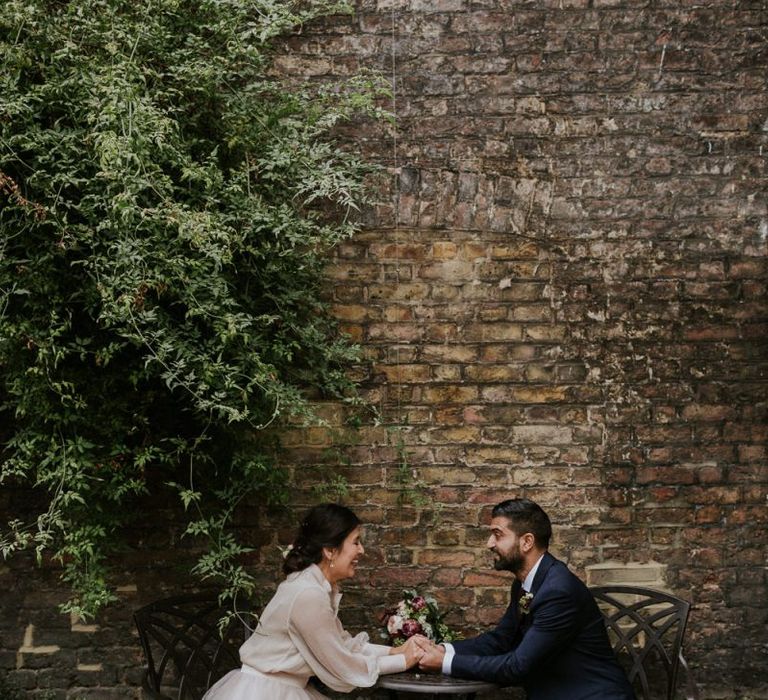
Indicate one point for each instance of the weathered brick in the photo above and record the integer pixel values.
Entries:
(495, 373)
(541, 434)
(404, 373)
(507, 352)
(491, 332)
(450, 557)
(520, 394)
(707, 412)
(444, 250)
(446, 576)
(397, 314)
(456, 393)
(399, 251)
(401, 332)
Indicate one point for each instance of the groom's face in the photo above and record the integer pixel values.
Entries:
(506, 547)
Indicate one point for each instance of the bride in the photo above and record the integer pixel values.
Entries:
(299, 634)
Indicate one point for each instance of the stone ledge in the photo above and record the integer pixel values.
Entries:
(649, 575)
(90, 668)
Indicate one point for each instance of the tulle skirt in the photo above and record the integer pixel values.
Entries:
(249, 684)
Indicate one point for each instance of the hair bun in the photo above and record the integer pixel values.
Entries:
(325, 525)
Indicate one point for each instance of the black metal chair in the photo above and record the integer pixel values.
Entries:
(184, 649)
(646, 628)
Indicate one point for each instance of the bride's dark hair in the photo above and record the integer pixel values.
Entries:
(325, 525)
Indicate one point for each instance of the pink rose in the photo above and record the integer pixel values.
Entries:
(418, 603)
(411, 627)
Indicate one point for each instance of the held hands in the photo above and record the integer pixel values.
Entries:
(432, 656)
(420, 650)
(413, 649)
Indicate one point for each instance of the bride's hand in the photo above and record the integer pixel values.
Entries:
(417, 639)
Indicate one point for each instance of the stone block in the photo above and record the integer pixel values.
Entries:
(648, 575)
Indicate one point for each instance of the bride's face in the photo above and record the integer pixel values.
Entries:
(345, 561)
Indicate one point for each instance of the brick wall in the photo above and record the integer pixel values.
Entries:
(560, 294)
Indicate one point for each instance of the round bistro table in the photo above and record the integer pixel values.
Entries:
(431, 685)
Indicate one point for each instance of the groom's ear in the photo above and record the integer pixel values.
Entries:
(527, 541)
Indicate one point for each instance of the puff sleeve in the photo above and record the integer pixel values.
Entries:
(340, 661)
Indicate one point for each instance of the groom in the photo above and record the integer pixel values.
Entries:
(552, 638)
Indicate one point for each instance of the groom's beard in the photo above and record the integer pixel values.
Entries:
(510, 562)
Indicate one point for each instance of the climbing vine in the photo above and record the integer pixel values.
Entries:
(166, 209)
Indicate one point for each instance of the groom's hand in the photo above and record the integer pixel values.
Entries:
(412, 649)
(432, 659)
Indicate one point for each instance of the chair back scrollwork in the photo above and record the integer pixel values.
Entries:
(185, 651)
(646, 628)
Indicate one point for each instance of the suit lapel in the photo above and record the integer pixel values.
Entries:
(515, 599)
(524, 621)
(514, 596)
(541, 573)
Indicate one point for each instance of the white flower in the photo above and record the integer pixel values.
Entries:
(286, 550)
(394, 624)
(429, 633)
(524, 604)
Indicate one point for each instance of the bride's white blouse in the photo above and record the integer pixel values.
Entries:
(299, 635)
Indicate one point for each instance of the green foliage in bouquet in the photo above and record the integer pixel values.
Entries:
(166, 209)
(416, 614)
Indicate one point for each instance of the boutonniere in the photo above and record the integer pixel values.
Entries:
(524, 604)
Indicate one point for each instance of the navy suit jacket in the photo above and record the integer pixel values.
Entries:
(559, 650)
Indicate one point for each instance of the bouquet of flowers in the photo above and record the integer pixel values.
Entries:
(415, 614)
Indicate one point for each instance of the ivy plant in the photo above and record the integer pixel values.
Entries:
(166, 209)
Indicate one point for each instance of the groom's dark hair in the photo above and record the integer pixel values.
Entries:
(525, 516)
